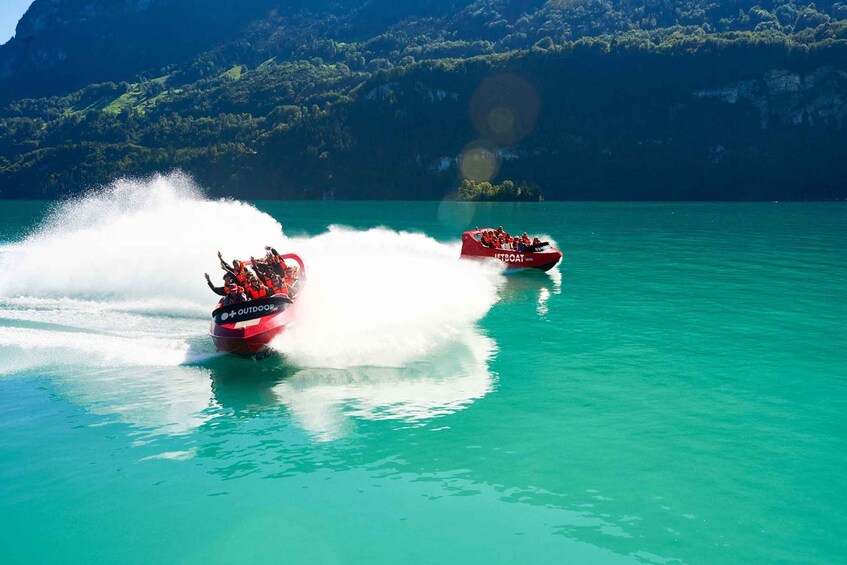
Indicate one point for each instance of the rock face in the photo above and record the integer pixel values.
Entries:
(817, 98)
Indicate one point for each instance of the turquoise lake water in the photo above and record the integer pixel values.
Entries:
(676, 391)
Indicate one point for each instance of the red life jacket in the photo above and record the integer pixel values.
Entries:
(257, 292)
(276, 290)
(241, 275)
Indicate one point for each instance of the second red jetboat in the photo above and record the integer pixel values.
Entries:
(541, 256)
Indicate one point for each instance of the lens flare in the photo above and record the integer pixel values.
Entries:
(478, 162)
(504, 109)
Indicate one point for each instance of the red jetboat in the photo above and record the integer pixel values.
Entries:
(540, 256)
(246, 328)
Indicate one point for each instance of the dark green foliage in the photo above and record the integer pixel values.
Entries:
(635, 100)
(507, 191)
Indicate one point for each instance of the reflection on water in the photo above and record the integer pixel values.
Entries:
(530, 281)
(157, 400)
(245, 386)
(324, 401)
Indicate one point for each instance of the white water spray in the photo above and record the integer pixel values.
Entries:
(123, 268)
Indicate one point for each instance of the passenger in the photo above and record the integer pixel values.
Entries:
(525, 239)
(278, 285)
(238, 270)
(255, 289)
(267, 280)
(272, 281)
(234, 295)
(219, 290)
(262, 270)
(292, 280)
(275, 260)
(536, 241)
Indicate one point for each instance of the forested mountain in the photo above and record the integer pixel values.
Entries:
(590, 99)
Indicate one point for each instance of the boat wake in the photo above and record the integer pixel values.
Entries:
(114, 279)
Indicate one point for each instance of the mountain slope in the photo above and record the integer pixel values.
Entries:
(591, 99)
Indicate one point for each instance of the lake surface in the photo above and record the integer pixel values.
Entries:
(676, 391)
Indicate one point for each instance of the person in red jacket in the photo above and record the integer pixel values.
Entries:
(238, 270)
(255, 289)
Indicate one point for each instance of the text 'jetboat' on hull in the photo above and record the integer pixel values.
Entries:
(541, 256)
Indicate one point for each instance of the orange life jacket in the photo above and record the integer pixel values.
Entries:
(257, 292)
(241, 275)
(276, 290)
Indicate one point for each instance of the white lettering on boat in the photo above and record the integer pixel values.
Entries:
(247, 310)
(510, 257)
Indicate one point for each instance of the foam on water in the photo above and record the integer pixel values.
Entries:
(383, 298)
(117, 275)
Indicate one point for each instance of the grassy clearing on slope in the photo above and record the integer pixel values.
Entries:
(234, 73)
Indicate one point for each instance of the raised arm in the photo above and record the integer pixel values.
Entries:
(255, 265)
(219, 290)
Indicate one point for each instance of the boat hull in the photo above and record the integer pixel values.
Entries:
(543, 260)
(241, 342)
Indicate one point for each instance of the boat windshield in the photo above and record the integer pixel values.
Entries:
(543, 246)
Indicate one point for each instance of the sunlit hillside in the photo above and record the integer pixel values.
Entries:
(587, 99)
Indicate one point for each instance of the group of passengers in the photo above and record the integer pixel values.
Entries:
(499, 239)
(269, 276)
